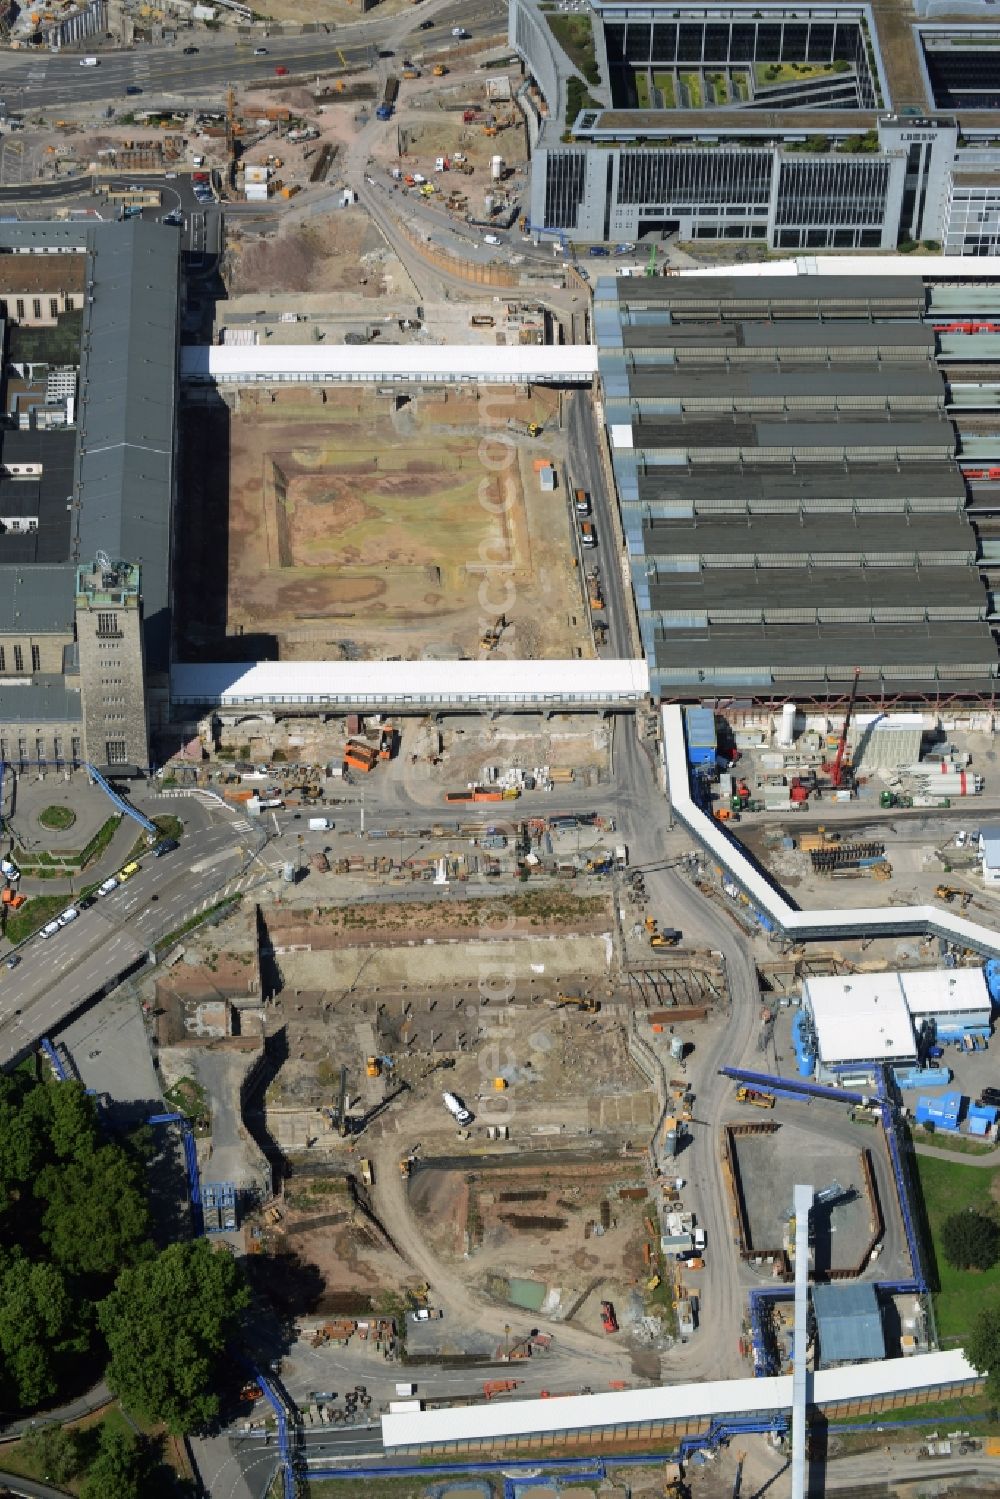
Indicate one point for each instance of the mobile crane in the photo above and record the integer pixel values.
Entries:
(837, 770)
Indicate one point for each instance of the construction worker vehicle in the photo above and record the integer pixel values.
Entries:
(608, 1318)
(669, 937)
(405, 1166)
(367, 1174)
(373, 1067)
(949, 893)
(575, 1001)
(499, 1387)
(755, 1096)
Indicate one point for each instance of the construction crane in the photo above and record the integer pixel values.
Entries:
(836, 769)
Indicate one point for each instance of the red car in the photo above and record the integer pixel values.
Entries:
(608, 1317)
(280, 71)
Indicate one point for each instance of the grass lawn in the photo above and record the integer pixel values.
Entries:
(39, 910)
(740, 86)
(164, 1479)
(665, 83)
(717, 87)
(691, 84)
(949, 1187)
(642, 90)
(57, 818)
(575, 36)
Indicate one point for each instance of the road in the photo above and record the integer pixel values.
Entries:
(586, 471)
(45, 79)
(59, 974)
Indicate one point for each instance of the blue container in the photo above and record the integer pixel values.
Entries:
(804, 1054)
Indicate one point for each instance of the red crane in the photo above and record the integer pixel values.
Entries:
(835, 769)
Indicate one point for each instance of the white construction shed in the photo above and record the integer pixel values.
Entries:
(860, 1017)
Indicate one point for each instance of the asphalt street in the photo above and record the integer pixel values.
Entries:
(44, 79)
(60, 973)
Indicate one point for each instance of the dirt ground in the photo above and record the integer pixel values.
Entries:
(334, 252)
(565, 1225)
(322, 1228)
(359, 531)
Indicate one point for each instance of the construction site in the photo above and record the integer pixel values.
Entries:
(363, 525)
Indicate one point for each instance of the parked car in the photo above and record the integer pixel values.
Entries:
(65, 917)
(260, 52)
(13, 960)
(165, 846)
(106, 886)
(49, 929)
(133, 88)
(87, 902)
(128, 870)
(991, 1096)
(190, 51)
(425, 26)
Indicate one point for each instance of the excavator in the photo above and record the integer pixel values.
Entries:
(491, 638)
(575, 1001)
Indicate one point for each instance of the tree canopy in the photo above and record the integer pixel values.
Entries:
(72, 1213)
(120, 1469)
(970, 1241)
(167, 1323)
(982, 1347)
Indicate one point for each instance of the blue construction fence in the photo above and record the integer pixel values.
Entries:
(791, 1087)
(900, 1175)
(190, 1162)
(570, 1469)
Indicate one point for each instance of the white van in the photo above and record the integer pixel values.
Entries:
(491, 239)
(320, 824)
(89, 62)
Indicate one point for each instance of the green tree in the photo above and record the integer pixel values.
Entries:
(42, 1327)
(970, 1241)
(95, 1216)
(120, 1469)
(167, 1323)
(982, 1347)
(72, 1122)
(55, 1451)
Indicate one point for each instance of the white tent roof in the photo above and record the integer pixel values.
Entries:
(487, 363)
(669, 1403)
(860, 1015)
(465, 683)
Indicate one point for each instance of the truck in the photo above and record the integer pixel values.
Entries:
(588, 535)
(456, 1108)
(391, 93)
(406, 1391)
(756, 1097)
(367, 1175)
(320, 824)
(581, 499)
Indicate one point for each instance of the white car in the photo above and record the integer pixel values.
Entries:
(70, 914)
(106, 887)
(492, 239)
(260, 52)
(460, 32)
(49, 929)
